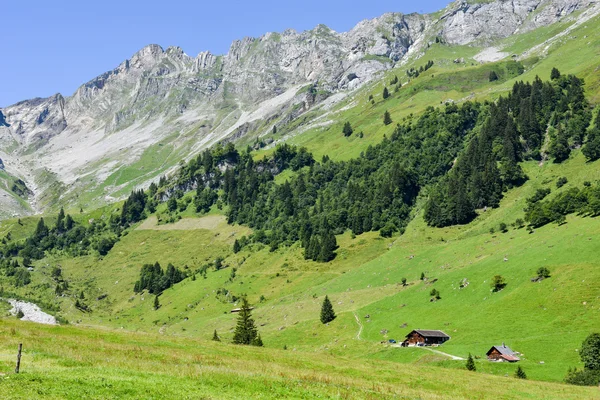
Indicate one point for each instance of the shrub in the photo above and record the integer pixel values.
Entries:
(543, 272)
(498, 283)
(562, 181)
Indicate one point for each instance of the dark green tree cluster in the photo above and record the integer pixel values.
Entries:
(513, 130)
(591, 149)
(66, 236)
(134, 207)
(156, 280)
(584, 201)
(320, 245)
(19, 275)
(590, 356)
(415, 72)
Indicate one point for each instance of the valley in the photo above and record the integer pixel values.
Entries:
(427, 194)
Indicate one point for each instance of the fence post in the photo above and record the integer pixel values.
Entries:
(19, 358)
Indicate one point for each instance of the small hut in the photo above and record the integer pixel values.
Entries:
(502, 354)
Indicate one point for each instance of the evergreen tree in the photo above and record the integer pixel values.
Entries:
(327, 313)
(60, 221)
(156, 303)
(471, 363)
(328, 246)
(559, 147)
(216, 337)
(387, 118)
(555, 74)
(493, 76)
(69, 222)
(274, 129)
(591, 150)
(347, 130)
(386, 93)
(520, 374)
(245, 330)
(41, 231)
(236, 246)
(172, 204)
(257, 341)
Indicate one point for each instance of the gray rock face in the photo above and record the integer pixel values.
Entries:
(465, 23)
(165, 97)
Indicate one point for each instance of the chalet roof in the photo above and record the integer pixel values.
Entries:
(510, 358)
(503, 349)
(429, 333)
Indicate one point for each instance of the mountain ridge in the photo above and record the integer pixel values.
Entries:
(164, 97)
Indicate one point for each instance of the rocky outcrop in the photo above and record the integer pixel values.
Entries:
(465, 23)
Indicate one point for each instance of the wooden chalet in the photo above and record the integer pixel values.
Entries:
(502, 354)
(421, 337)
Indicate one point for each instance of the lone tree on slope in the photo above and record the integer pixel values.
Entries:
(470, 363)
(245, 330)
(387, 118)
(347, 130)
(327, 313)
(519, 373)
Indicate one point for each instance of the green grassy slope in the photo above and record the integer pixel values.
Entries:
(545, 321)
(74, 363)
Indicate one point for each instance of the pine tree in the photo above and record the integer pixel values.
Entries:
(215, 337)
(591, 149)
(60, 221)
(471, 363)
(245, 330)
(386, 93)
(41, 231)
(493, 76)
(387, 118)
(347, 130)
(236, 246)
(559, 148)
(327, 313)
(156, 303)
(69, 222)
(555, 74)
(257, 341)
(520, 374)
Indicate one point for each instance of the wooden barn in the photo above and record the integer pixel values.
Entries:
(421, 337)
(502, 354)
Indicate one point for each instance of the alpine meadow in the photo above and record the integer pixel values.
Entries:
(407, 210)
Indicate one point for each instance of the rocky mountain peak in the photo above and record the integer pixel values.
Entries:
(165, 96)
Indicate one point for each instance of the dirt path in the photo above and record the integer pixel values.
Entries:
(444, 354)
(360, 327)
(455, 358)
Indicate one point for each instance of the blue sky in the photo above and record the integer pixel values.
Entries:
(55, 46)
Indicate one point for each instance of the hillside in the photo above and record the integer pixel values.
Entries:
(475, 177)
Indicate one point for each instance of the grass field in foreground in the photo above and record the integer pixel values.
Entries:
(75, 363)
